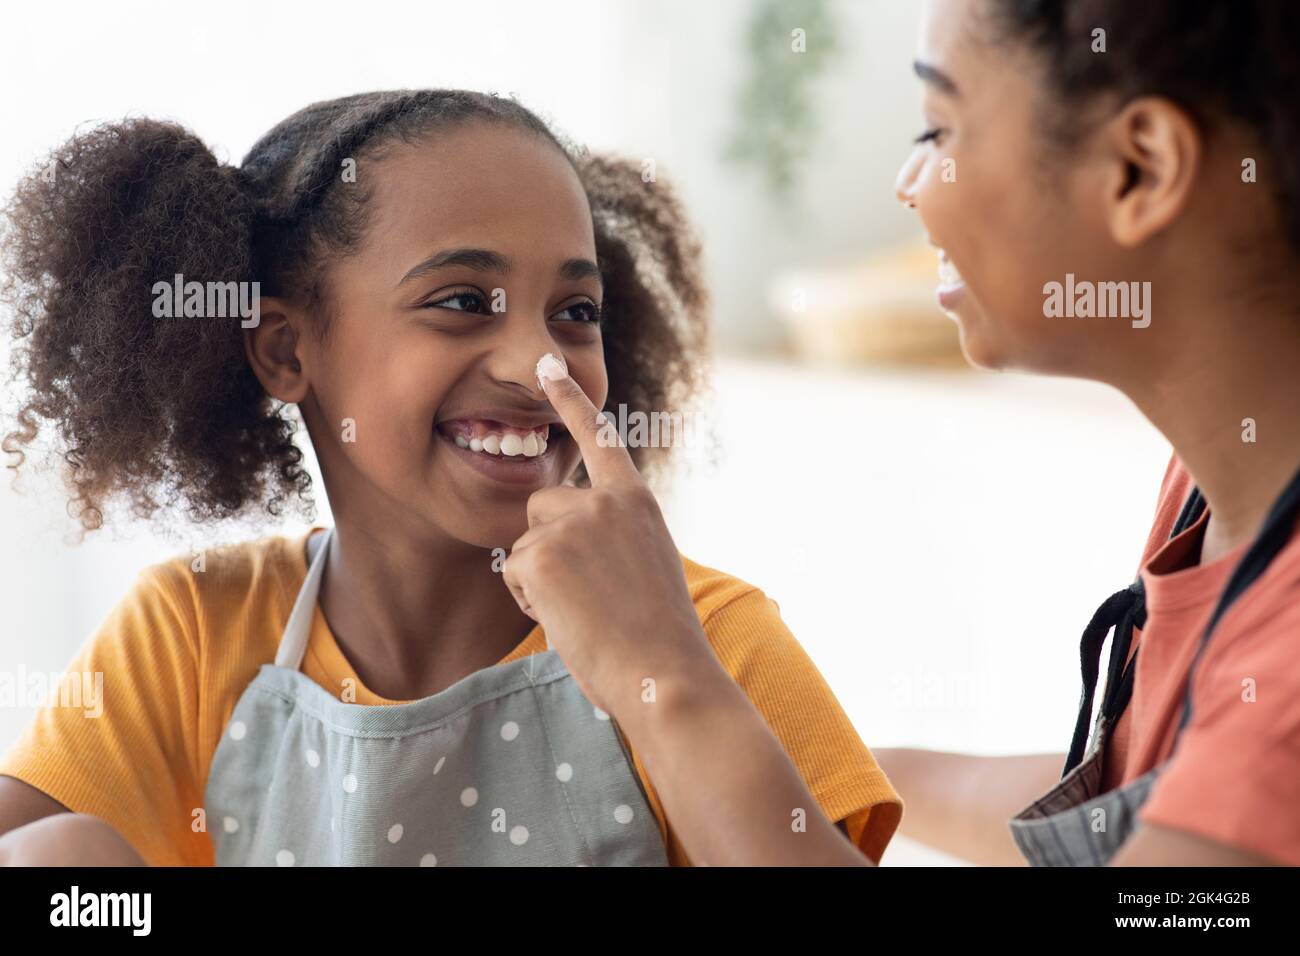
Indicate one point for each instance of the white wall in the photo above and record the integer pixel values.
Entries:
(682, 68)
(936, 541)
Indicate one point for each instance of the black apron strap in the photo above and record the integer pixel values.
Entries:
(1123, 611)
(1116, 612)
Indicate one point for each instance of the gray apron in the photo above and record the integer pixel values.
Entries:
(1075, 823)
(511, 766)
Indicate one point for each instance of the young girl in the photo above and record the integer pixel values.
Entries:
(1095, 142)
(370, 694)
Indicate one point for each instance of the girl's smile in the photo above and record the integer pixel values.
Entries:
(507, 446)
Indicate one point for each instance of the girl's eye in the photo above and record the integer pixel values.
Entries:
(464, 301)
(580, 312)
(929, 136)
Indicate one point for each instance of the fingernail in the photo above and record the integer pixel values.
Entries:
(550, 366)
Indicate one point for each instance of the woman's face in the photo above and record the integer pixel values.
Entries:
(1007, 211)
(478, 258)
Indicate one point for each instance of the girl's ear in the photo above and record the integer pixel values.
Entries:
(1155, 149)
(274, 349)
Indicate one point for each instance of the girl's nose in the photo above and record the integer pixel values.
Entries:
(514, 356)
(905, 185)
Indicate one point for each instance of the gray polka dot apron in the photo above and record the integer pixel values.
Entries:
(511, 766)
(1075, 823)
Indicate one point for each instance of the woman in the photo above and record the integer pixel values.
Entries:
(1126, 208)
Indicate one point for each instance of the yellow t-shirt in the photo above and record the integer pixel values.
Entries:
(178, 651)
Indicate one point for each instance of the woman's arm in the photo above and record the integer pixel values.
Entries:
(960, 803)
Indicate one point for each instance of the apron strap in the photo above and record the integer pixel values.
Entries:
(1124, 610)
(293, 643)
(1118, 611)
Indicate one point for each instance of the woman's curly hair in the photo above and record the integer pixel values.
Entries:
(162, 413)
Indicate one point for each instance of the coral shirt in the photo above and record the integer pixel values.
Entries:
(180, 648)
(1234, 777)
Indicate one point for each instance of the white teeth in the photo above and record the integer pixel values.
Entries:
(948, 273)
(510, 444)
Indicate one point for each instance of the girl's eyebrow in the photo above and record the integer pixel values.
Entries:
(935, 77)
(485, 260)
(577, 269)
(480, 260)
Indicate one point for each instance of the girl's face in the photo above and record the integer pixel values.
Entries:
(478, 258)
(1007, 214)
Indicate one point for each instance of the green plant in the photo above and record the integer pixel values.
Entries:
(789, 44)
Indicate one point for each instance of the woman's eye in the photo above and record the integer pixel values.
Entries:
(929, 136)
(459, 302)
(580, 312)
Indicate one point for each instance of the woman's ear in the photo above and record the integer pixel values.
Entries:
(274, 350)
(1155, 150)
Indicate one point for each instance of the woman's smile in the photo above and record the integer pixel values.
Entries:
(951, 287)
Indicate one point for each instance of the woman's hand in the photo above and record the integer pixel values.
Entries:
(599, 571)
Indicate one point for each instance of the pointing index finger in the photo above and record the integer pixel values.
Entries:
(607, 461)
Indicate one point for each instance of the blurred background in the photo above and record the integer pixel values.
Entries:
(935, 537)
